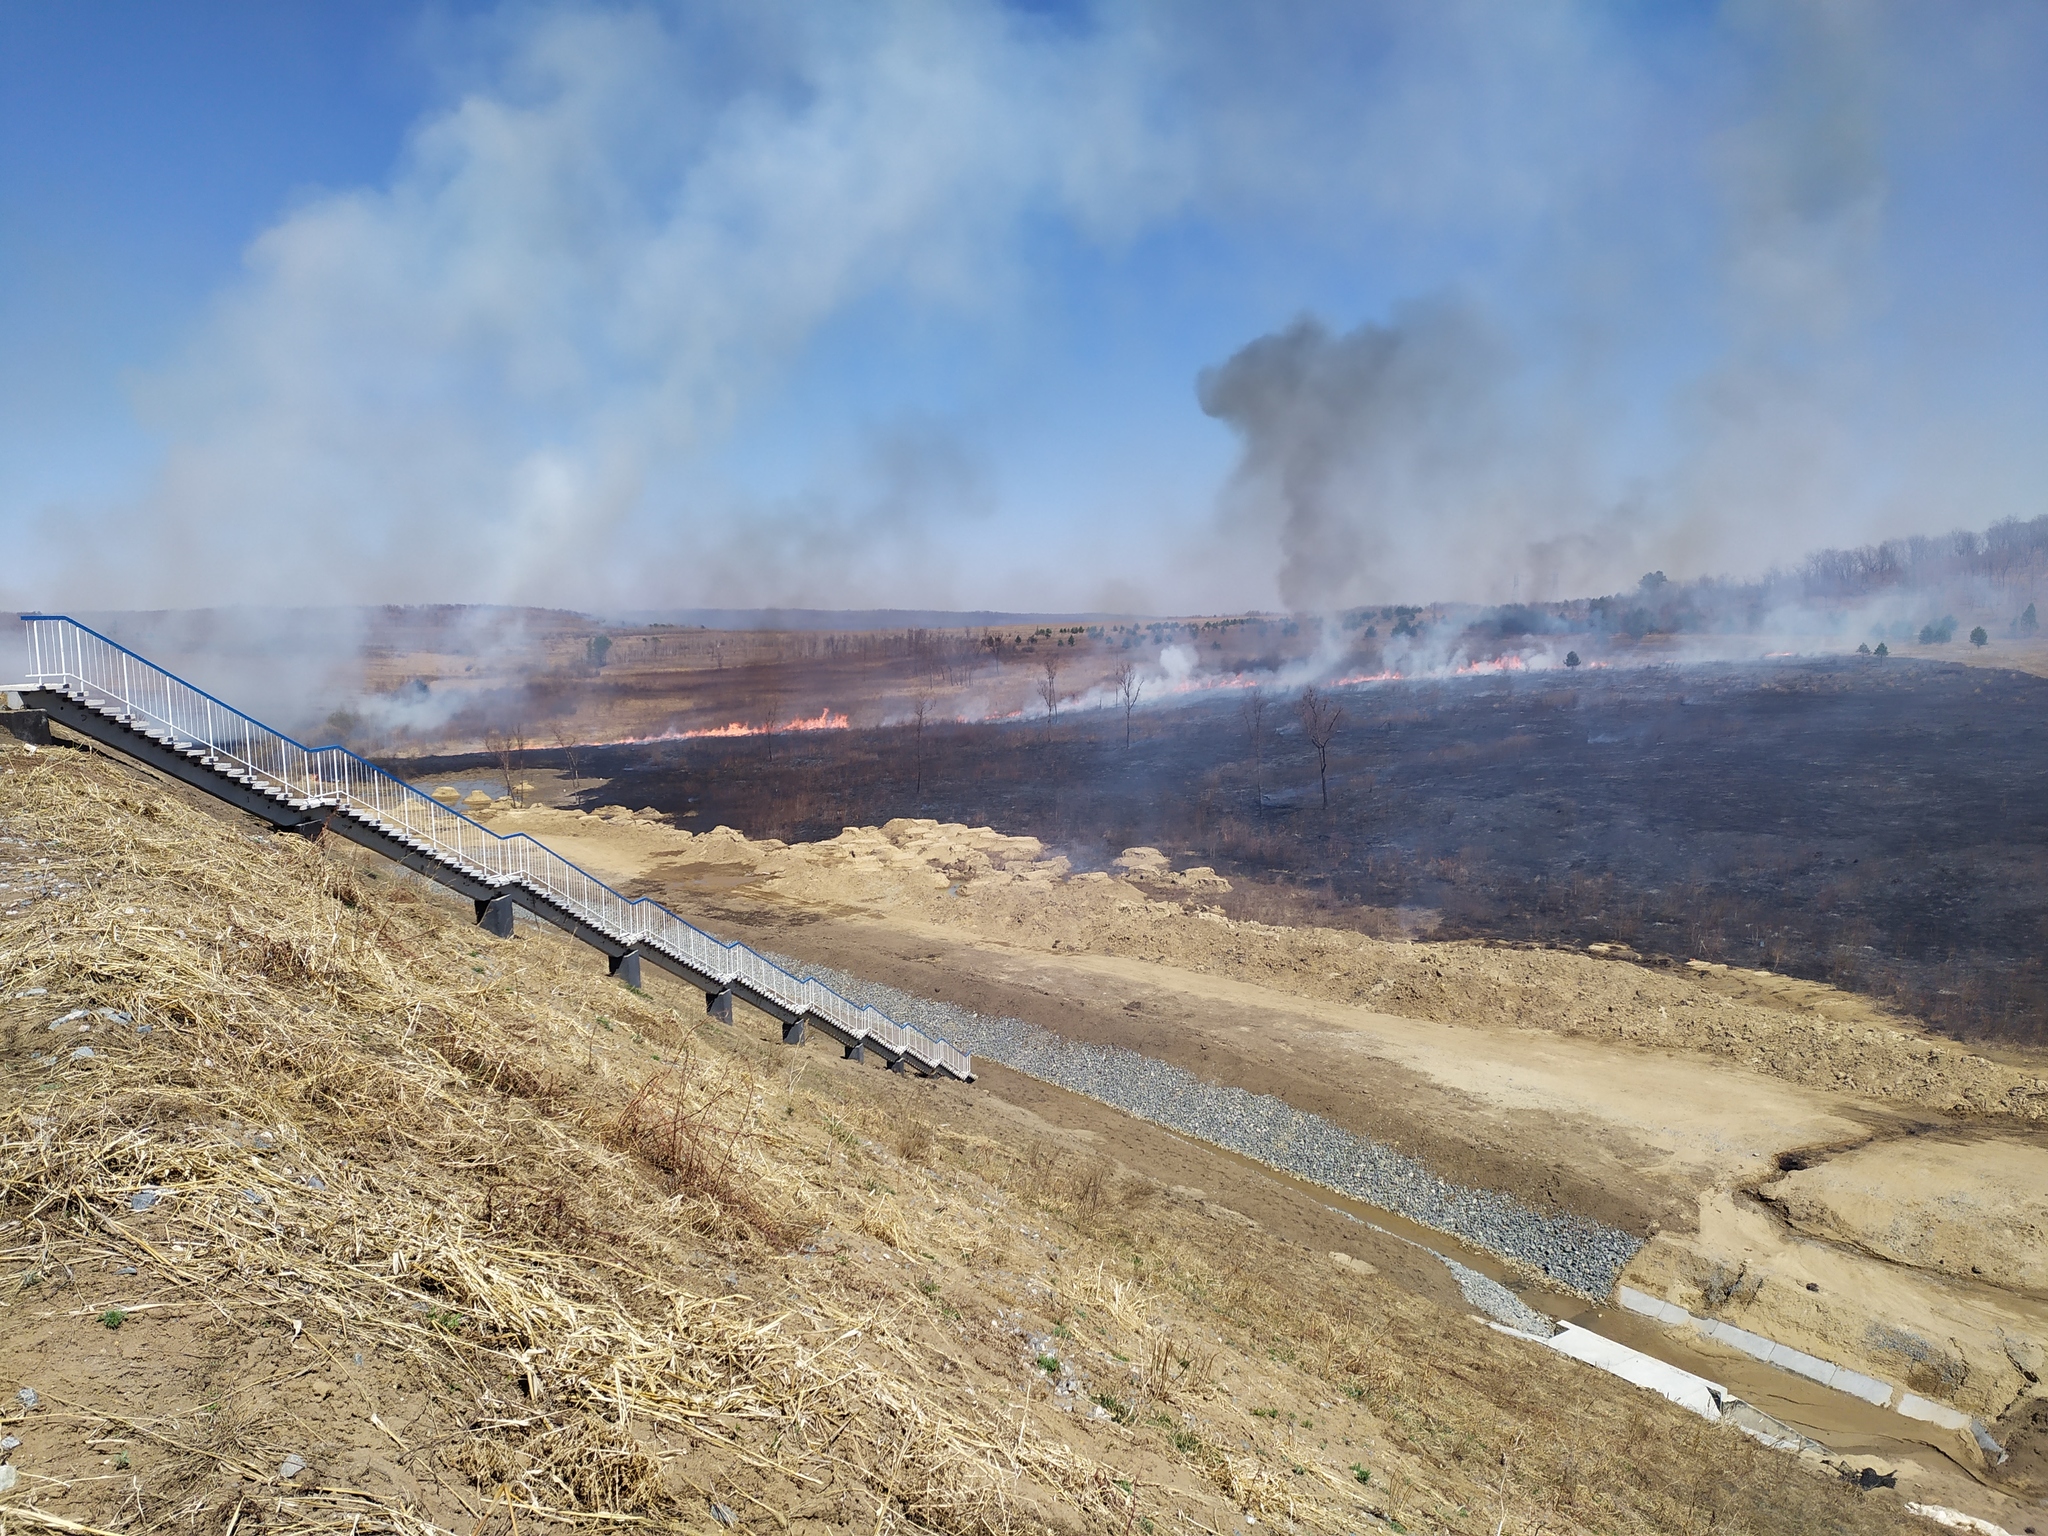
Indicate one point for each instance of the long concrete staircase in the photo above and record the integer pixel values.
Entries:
(105, 691)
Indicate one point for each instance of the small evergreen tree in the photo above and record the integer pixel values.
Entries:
(1882, 649)
(1571, 658)
(1978, 637)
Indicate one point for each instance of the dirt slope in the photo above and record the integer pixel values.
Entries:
(1672, 1101)
(323, 1212)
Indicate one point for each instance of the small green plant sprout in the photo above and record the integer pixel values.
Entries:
(1115, 1407)
(113, 1317)
(1363, 1474)
(1265, 1413)
(1050, 1364)
(1978, 637)
(929, 1287)
(1060, 1331)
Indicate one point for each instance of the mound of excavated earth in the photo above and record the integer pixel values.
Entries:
(1793, 1160)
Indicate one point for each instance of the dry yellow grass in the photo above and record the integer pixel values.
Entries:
(494, 1243)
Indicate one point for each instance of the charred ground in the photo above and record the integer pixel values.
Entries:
(1875, 824)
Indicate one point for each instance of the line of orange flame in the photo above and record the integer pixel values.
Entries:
(825, 720)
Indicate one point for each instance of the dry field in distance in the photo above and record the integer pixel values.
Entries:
(1873, 825)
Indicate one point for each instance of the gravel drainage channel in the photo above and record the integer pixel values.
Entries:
(1572, 1254)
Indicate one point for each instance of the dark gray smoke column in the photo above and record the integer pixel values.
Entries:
(1354, 443)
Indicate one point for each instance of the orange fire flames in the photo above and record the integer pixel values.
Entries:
(824, 720)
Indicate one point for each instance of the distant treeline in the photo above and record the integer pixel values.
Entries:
(1994, 573)
(2006, 552)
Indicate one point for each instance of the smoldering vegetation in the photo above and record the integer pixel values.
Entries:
(1875, 824)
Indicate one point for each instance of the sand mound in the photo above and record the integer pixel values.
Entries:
(1965, 1209)
(983, 882)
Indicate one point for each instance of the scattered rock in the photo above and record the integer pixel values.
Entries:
(27, 1398)
(83, 1053)
(1582, 1255)
(291, 1466)
(143, 1198)
(1357, 1266)
(8, 1478)
(724, 1516)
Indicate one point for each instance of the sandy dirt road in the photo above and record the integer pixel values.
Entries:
(1825, 1194)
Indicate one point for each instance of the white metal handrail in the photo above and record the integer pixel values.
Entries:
(69, 658)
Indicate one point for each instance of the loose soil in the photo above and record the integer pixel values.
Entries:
(348, 1218)
(1674, 1101)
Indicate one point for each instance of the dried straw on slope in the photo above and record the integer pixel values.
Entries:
(296, 1096)
(495, 1242)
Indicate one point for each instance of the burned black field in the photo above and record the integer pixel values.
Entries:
(1881, 825)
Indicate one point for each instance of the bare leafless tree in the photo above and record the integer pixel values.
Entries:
(1049, 691)
(1251, 712)
(920, 713)
(566, 740)
(1129, 688)
(507, 746)
(1321, 715)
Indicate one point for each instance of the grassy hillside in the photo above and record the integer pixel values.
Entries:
(330, 1213)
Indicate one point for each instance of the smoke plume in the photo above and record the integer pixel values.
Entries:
(1358, 445)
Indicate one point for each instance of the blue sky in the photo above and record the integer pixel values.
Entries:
(628, 306)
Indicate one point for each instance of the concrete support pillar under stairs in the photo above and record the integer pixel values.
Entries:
(494, 916)
(626, 967)
(719, 1005)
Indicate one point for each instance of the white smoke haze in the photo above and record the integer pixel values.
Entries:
(1427, 457)
(1619, 292)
